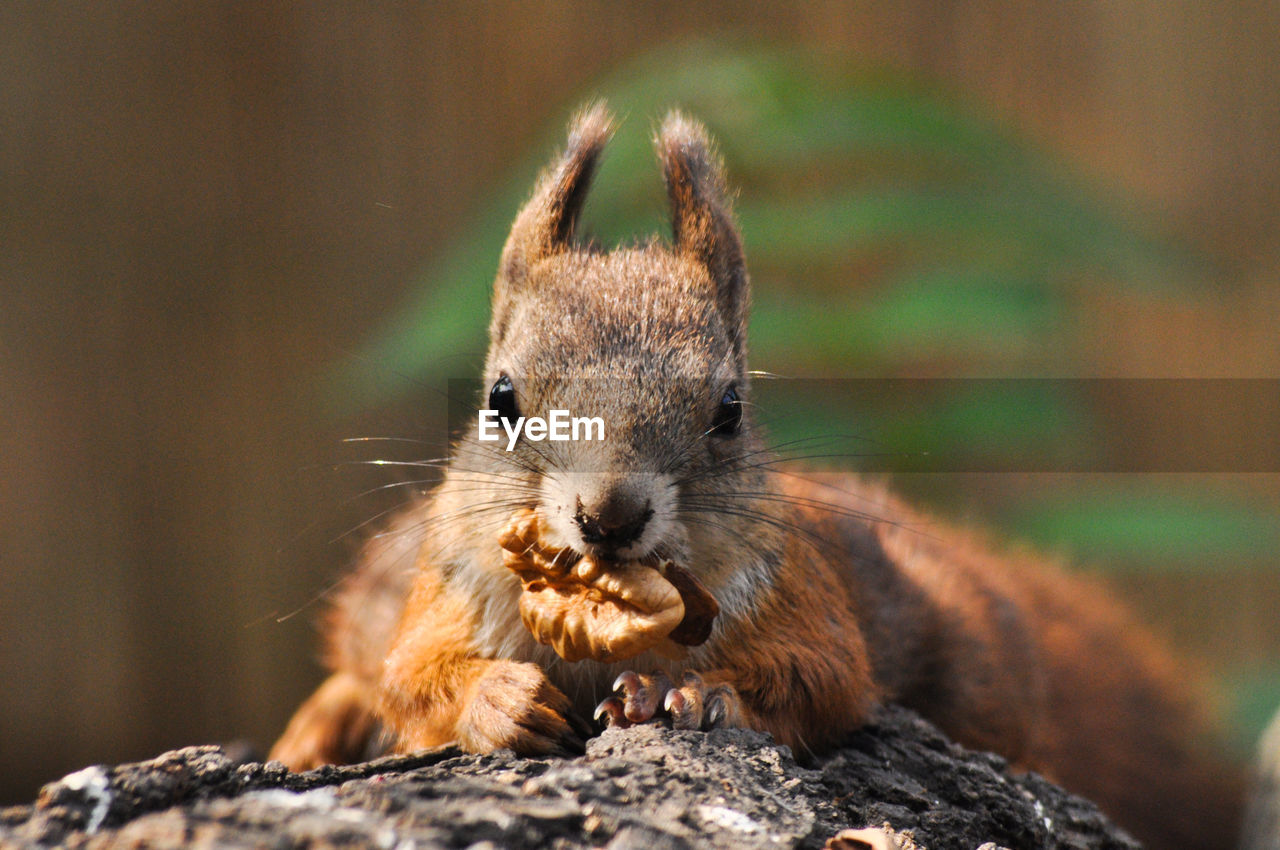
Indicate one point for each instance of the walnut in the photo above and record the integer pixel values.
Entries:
(584, 608)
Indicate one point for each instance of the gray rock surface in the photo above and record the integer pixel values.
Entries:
(647, 787)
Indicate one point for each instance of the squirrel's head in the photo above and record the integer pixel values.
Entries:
(651, 341)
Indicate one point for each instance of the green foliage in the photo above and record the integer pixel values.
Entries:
(1253, 694)
(889, 229)
(1151, 524)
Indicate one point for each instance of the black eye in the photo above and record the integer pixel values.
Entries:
(502, 398)
(728, 415)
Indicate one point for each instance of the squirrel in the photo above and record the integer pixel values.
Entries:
(832, 600)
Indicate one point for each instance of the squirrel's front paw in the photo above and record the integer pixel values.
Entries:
(692, 705)
(513, 705)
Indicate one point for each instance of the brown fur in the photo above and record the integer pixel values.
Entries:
(834, 597)
(436, 687)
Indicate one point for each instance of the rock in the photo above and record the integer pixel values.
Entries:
(647, 787)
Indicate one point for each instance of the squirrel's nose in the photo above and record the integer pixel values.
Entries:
(616, 522)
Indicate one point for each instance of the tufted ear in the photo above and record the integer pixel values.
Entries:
(545, 225)
(702, 218)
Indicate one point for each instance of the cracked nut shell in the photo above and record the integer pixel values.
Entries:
(607, 611)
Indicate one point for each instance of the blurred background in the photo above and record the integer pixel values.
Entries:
(236, 235)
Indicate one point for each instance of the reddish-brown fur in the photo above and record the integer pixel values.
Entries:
(436, 689)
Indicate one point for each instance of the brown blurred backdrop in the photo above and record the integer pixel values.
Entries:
(207, 205)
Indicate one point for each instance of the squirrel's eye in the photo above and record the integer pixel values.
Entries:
(502, 398)
(728, 415)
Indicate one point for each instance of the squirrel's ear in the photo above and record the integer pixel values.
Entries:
(545, 225)
(702, 218)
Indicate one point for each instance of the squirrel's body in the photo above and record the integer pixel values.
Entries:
(833, 596)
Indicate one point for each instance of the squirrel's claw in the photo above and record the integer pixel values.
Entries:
(695, 706)
(641, 695)
(692, 705)
(613, 712)
(685, 704)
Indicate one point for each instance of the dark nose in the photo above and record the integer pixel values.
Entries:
(615, 523)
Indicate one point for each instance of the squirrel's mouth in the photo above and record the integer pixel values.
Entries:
(608, 557)
(619, 519)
